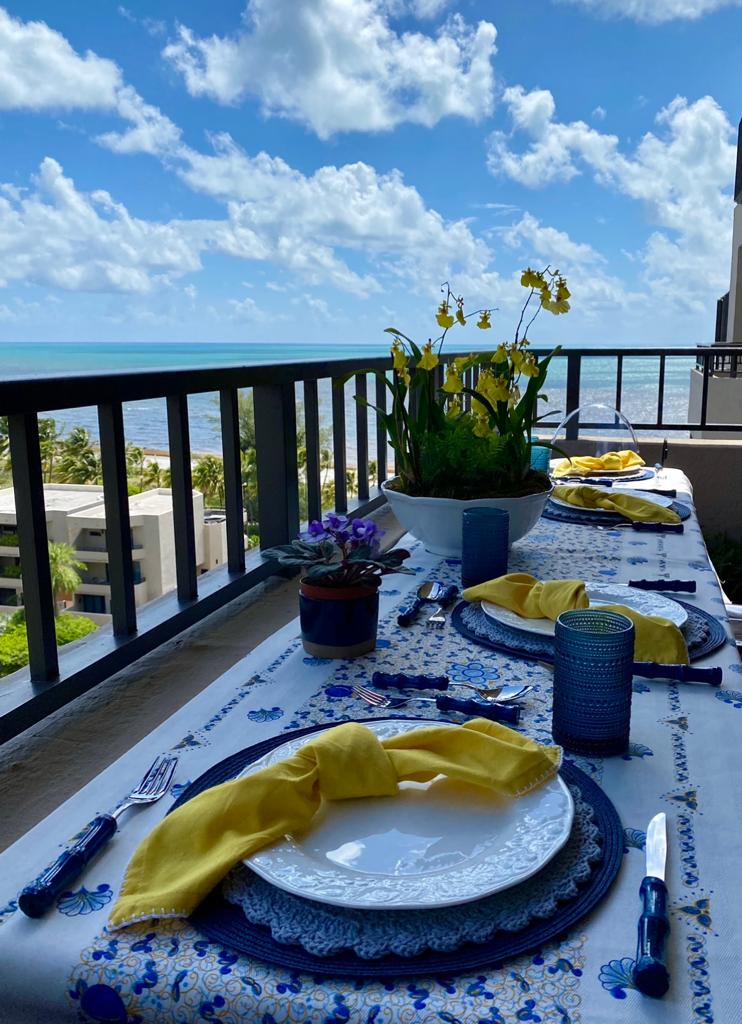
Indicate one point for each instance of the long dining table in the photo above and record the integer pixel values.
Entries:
(684, 758)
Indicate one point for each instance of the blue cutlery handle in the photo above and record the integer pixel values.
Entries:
(448, 595)
(400, 681)
(650, 972)
(676, 586)
(659, 527)
(598, 482)
(682, 673)
(497, 712)
(41, 894)
(408, 612)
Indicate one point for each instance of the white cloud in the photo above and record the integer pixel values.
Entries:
(338, 65)
(39, 70)
(654, 12)
(599, 113)
(152, 26)
(682, 176)
(55, 235)
(248, 310)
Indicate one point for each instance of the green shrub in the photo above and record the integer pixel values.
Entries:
(8, 540)
(14, 642)
(11, 572)
(726, 554)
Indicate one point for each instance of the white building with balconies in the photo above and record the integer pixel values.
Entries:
(76, 515)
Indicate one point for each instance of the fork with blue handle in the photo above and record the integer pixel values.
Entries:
(509, 713)
(41, 894)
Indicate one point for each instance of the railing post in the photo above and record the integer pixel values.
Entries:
(705, 391)
(339, 456)
(661, 392)
(182, 488)
(33, 544)
(574, 366)
(381, 437)
(278, 477)
(229, 410)
(118, 526)
(312, 446)
(619, 381)
(362, 436)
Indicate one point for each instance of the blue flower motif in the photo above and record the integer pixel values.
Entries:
(639, 687)
(383, 643)
(733, 697)
(637, 560)
(265, 714)
(617, 976)
(634, 838)
(607, 572)
(471, 672)
(188, 741)
(735, 667)
(75, 904)
(700, 912)
(316, 661)
(338, 691)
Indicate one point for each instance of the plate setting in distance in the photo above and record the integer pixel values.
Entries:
(435, 844)
(654, 499)
(646, 602)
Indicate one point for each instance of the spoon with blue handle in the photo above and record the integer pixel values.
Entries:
(650, 971)
(680, 673)
(430, 591)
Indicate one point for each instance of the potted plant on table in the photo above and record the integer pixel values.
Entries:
(339, 592)
(460, 446)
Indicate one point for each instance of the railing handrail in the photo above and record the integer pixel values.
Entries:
(51, 392)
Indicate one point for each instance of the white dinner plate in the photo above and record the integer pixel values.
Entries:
(644, 601)
(655, 499)
(434, 844)
(629, 471)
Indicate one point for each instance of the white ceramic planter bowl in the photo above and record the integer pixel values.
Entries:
(437, 522)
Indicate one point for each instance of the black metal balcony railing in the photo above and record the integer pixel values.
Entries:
(53, 680)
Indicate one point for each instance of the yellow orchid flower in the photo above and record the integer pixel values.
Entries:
(443, 316)
(399, 356)
(531, 279)
(563, 291)
(483, 323)
(501, 354)
(517, 358)
(514, 396)
(404, 375)
(454, 408)
(481, 425)
(460, 314)
(556, 306)
(460, 363)
(530, 366)
(429, 359)
(454, 384)
(500, 391)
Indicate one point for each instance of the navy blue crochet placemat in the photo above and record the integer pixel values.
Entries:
(585, 517)
(220, 921)
(641, 474)
(704, 633)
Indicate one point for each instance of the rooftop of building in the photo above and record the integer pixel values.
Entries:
(57, 497)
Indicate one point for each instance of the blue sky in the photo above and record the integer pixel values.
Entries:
(312, 170)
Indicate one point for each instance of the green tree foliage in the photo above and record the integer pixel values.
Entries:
(78, 462)
(14, 641)
(65, 569)
(208, 477)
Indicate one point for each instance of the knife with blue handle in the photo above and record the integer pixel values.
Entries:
(681, 673)
(509, 713)
(650, 971)
(676, 586)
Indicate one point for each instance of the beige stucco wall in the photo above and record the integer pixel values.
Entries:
(724, 404)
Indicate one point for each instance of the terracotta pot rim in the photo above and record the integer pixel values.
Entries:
(320, 593)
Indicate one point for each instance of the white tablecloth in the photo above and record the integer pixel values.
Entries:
(685, 758)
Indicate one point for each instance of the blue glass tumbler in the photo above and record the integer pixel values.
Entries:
(484, 545)
(593, 668)
(540, 458)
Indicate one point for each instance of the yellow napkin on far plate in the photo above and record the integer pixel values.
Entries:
(525, 595)
(656, 638)
(611, 462)
(638, 509)
(193, 848)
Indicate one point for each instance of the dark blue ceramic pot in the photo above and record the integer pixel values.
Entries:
(338, 622)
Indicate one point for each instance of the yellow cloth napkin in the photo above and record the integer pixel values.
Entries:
(584, 465)
(193, 848)
(638, 509)
(526, 596)
(655, 638)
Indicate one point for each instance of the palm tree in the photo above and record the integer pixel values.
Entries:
(135, 465)
(208, 477)
(50, 436)
(79, 463)
(64, 567)
(152, 475)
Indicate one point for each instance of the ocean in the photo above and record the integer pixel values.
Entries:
(146, 423)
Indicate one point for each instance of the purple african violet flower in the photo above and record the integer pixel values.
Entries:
(365, 530)
(333, 521)
(316, 530)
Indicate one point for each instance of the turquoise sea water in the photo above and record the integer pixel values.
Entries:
(146, 422)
